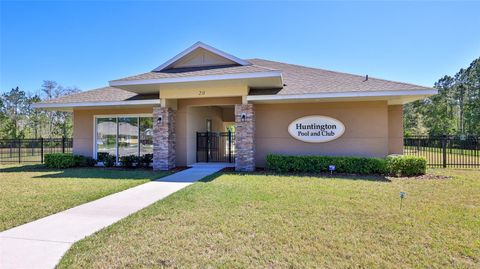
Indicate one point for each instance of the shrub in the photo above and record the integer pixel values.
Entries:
(402, 165)
(316, 164)
(84, 161)
(66, 160)
(128, 161)
(145, 160)
(108, 160)
(60, 160)
(101, 156)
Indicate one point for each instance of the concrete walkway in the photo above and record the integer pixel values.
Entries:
(42, 243)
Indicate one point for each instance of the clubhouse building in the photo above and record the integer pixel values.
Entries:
(205, 105)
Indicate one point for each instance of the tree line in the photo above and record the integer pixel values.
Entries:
(19, 120)
(455, 110)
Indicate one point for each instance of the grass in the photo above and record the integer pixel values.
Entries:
(257, 220)
(30, 192)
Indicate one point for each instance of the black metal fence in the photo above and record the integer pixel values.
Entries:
(445, 151)
(440, 151)
(216, 147)
(32, 150)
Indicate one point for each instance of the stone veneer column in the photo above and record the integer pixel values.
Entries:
(163, 138)
(245, 138)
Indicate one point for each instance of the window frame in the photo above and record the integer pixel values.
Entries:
(116, 116)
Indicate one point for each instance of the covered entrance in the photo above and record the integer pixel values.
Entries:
(216, 147)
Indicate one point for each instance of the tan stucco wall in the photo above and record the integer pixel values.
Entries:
(366, 129)
(395, 129)
(185, 148)
(372, 128)
(83, 126)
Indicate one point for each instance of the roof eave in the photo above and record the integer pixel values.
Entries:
(273, 73)
(71, 106)
(410, 95)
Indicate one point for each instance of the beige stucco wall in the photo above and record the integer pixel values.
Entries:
(372, 127)
(395, 129)
(366, 129)
(83, 125)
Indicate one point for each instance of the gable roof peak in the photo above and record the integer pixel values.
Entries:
(209, 56)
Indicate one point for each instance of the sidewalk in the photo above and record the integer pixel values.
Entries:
(42, 243)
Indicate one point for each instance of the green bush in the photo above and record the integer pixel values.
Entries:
(145, 160)
(60, 160)
(402, 165)
(101, 156)
(128, 161)
(108, 160)
(84, 161)
(66, 160)
(317, 164)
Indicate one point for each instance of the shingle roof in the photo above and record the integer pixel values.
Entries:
(302, 80)
(198, 71)
(105, 94)
(297, 79)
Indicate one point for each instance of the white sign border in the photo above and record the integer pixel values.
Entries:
(316, 142)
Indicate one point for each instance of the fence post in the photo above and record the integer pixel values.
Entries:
(229, 146)
(444, 149)
(41, 149)
(63, 144)
(19, 151)
(208, 147)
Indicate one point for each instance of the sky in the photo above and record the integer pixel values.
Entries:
(87, 43)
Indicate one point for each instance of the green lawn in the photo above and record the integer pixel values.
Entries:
(30, 192)
(260, 221)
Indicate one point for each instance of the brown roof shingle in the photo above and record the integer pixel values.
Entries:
(297, 79)
(105, 94)
(303, 80)
(194, 72)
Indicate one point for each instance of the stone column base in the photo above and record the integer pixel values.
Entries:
(245, 137)
(163, 138)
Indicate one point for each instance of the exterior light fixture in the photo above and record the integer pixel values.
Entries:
(243, 117)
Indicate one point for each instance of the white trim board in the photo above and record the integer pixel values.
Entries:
(196, 78)
(95, 104)
(205, 47)
(292, 97)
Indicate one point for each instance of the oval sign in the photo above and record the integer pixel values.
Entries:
(316, 129)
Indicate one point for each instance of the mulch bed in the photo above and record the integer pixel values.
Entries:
(425, 177)
(338, 175)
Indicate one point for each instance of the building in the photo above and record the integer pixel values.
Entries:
(205, 105)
